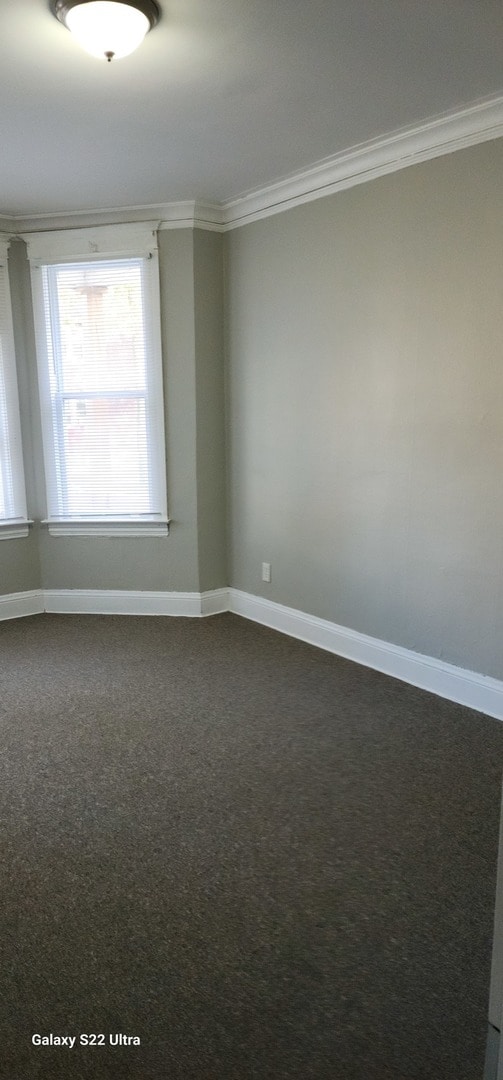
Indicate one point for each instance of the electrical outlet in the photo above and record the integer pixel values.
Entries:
(266, 571)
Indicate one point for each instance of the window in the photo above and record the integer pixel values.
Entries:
(100, 374)
(12, 491)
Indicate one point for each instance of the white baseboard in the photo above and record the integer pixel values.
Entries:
(114, 602)
(479, 692)
(214, 602)
(15, 605)
(126, 602)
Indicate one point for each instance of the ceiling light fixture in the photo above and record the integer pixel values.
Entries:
(108, 29)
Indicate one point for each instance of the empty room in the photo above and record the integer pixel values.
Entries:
(251, 558)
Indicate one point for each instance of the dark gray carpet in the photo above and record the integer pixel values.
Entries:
(262, 860)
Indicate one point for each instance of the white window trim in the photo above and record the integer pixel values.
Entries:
(135, 240)
(14, 529)
(132, 526)
(110, 241)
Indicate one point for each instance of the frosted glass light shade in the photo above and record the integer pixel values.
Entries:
(108, 29)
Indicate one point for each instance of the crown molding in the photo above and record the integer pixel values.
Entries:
(6, 224)
(203, 215)
(186, 214)
(479, 122)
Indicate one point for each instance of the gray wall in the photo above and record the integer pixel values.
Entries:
(19, 559)
(210, 434)
(19, 566)
(365, 398)
(193, 557)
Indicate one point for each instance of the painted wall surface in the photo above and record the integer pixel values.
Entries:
(211, 465)
(365, 397)
(191, 299)
(19, 559)
(19, 565)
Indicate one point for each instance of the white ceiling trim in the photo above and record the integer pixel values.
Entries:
(203, 216)
(409, 146)
(477, 123)
(172, 215)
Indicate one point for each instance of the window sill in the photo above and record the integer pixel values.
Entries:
(14, 530)
(108, 527)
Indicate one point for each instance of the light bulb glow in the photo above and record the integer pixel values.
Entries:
(107, 29)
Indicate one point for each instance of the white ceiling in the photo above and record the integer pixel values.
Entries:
(226, 96)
